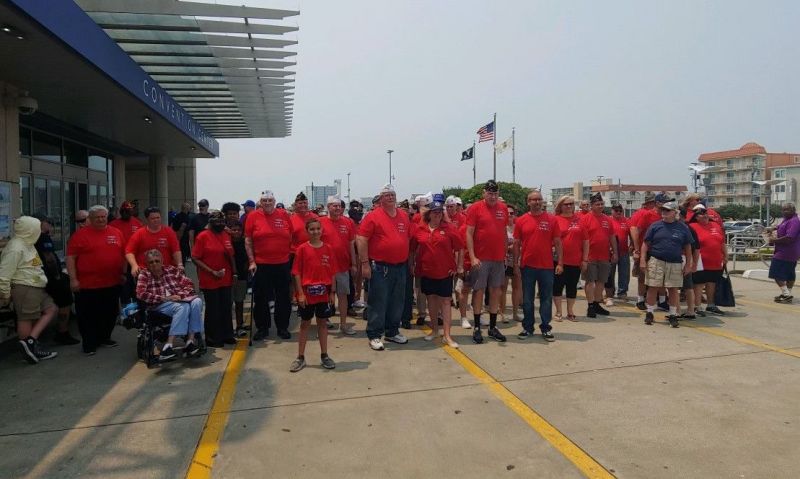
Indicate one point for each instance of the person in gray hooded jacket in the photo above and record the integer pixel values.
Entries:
(22, 281)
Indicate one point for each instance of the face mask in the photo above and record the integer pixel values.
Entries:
(217, 228)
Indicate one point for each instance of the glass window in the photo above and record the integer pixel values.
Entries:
(25, 194)
(40, 196)
(102, 195)
(729, 163)
(24, 142)
(75, 154)
(729, 200)
(54, 211)
(83, 197)
(93, 195)
(111, 179)
(98, 161)
(46, 147)
(780, 173)
(70, 206)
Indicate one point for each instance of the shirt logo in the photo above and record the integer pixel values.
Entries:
(162, 242)
(401, 227)
(111, 240)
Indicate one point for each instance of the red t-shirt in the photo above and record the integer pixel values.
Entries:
(436, 250)
(490, 237)
(99, 256)
(536, 234)
(300, 234)
(128, 228)
(711, 238)
(215, 250)
(572, 237)
(599, 229)
(388, 237)
(271, 235)
(144, 240)
(642, 220)
(462, 233)
(458, 219)
(338, 233)
(621, 229)
(315, 266)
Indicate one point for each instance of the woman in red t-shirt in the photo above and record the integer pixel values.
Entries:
(313, 271)
(713, 254)
(214, 257)
(575, 247)
(439, 256)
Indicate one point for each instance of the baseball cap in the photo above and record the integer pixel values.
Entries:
(250, 203)
(301, 197)
(333, 199)
(492, 186)
(451, 200)
(649, 197)
(458, 201)
(203, 202)
(596, 197)
(670, 205)
(126, 205)
(662, 198)
(280, 206)
(436, 205)
(267, 195)
(699, 207)
(438, 198)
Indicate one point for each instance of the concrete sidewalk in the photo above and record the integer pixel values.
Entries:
(714, 400)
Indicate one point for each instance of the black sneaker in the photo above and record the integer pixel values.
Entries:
(524, 334)
(715, 310)
(191, 349)
(495, 334)
(89, 352)
(700, 313)
(785, 299)
(420, 320)
(28, 348)
(439, 322)
(687, 316)
(167, 353)
(240, 333)
(327, 362)
(331, 325)
(600, 309)
(663, 306)
(406, 325)
(673, 320)
(261, 335)
(477, 336)
(65, 339)
(109, 343)
(641, 306)
(284, 334)
(548, 336)
(648, 318)
(591, 312)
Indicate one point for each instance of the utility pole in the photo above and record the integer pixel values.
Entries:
(348, 187)
(513, 157)
(390, 165)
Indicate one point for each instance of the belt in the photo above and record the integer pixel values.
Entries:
(384, 263)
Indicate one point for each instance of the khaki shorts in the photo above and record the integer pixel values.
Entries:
(661, 274)
(239, 290)
(29, 302)
(597, 272)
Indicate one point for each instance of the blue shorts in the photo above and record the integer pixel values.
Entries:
(782, 270)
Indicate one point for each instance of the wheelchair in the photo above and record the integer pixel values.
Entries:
(153, 328)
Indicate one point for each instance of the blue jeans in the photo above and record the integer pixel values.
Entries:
(623, 266)
(186, 317)
(531, 276)
(387, 291)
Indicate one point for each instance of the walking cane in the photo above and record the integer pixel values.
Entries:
(252, 328)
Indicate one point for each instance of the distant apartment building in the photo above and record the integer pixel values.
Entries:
(578, 190)
(731, 178)
(318, 194)
(787, 190)
(630, 196)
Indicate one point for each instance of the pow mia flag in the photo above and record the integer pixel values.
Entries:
(468, 154)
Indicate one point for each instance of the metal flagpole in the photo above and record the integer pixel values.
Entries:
(513, 157)
(474, 154)
(494, 149)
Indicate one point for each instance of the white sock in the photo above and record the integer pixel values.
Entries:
(673, 311)
(661, 299)
(785, 290)
(640, 299)
(711, 305)
(651, 308)
(165, 345)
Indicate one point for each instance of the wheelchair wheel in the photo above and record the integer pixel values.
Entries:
(140, 346)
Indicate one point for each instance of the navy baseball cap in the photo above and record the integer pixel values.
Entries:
(249, 203)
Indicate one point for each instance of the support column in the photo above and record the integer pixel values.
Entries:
(120, 188)
(159, 184)
(9, 144)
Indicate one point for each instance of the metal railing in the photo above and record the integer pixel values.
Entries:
(750, 244)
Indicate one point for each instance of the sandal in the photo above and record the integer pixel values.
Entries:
(572, 318)
(558, 317)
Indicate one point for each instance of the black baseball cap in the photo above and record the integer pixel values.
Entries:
(492, 186)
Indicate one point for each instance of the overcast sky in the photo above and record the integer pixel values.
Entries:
(634, 90)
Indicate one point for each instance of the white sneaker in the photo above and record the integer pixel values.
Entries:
(441, 331)
(484, 321)
(428, 337)
(398, 338)
(359, 304)
(450, 343)
(465, 323)
(376, 344)
(609, 302)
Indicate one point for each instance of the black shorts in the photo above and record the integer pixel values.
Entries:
(59, 290)
(706, 276)
(509, 271)
(439, 287)
(688, 281)
(320, 310)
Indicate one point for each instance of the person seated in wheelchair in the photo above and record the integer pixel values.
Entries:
(167, 289)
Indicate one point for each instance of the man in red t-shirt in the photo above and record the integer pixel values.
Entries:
(622, 267)
(639, 223)
(153, 236)
(339, 232)
(536, 234)
(96, 267)
(128, 225)
(486, 245)
(602, 253)
(299, 218)
(268, 239)
(384, 237)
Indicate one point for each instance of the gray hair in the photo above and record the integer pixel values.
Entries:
(153, 253)
(790, 205)
(97, 209)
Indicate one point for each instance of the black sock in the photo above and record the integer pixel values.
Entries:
(300, 356)
(477, 321)
(492, 320)
(323, 355)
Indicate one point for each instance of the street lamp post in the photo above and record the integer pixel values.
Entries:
(348, 187)
(390, 165)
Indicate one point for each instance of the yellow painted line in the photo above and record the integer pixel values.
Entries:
(207, 447)
(583, 461)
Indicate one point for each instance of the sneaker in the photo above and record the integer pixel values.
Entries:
(687, 316)
(190, 349)
(327, 362)
(600, 310)
(548, 336)
(450, 343)
(397, 338)
(673, 320)
(641, 306)
(700, 313)
(261, 335)
(465, 323)
(420, 320)
(663, 306)
(331, 326)
(495, 334)
(65, 339)
(591, 311)
(167, 353)
(376, 344)
(648, 318)
(485, 321)
(429, 337)
(240, 333)
(786, 299)
(359, 304)
(347, 330)
(297, 365)
(109, 343)
(28, 348)
(524, 334)
(90, 352)
(502, 318)
(406, 325)
(477, 336)
(715, 310)
(294, 306)
(609, 302)
(284, 334)
(41, 354)
(352, 312)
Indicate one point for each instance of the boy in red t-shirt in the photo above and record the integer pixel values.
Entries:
(313, 271)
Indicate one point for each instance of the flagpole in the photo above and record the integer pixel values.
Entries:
(474, 154)
(494, 149)
(513, 157)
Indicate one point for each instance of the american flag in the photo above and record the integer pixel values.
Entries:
(486, 133)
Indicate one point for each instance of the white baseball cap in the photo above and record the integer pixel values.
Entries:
(267, 195)
(387, 188)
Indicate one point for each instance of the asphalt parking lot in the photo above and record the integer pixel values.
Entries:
(716, 397)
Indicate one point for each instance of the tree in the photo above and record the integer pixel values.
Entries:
(452, 190)
(512, 194)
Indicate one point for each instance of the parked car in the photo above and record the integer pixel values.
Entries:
(743, 227)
